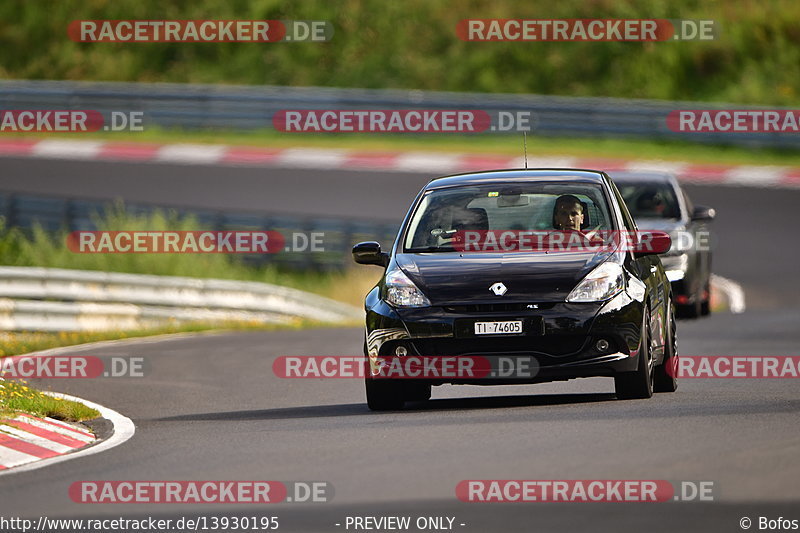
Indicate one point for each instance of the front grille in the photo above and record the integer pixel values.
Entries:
(496, 307)
(556, 345)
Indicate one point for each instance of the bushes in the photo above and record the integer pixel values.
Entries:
(413, 45)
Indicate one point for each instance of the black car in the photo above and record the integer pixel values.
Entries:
(577, 312)
(657, 202)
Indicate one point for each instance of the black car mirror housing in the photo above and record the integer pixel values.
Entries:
(702, 212)
(369, 253)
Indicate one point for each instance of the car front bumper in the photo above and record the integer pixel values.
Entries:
(561, 339)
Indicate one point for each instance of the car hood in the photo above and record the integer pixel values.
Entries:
(667, 225)
(453, 278)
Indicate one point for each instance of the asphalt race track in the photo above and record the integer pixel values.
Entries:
(210, 407)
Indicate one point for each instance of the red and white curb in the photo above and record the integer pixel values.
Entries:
(427, 162)
(25, 439)
(28, 442)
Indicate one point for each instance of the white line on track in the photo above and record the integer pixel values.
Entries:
(59, 149)
(311, 158)
(426, 162)
(191, 153)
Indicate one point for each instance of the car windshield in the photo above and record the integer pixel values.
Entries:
(649, 200)
(499, 207)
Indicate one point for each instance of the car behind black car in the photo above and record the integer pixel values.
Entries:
(459, 284)
(657, 202)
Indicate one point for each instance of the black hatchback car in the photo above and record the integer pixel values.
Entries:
(452, 290)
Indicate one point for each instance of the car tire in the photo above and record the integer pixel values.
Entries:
(639, 383)
(417, 392)
(664, 375)
(384, 394)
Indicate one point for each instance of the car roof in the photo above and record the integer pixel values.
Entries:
(517, 175)
(642, 176)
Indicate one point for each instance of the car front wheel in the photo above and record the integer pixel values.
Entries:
(384, 394)
(665, 380)
(639, 383)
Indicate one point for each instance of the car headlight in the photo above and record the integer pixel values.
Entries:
(600, 284)
(401, 291)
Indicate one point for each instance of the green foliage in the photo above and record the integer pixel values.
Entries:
(17, 397)
(44, 249)
(413, 45)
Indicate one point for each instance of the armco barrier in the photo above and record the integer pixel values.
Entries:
(52, 299)
(196, 106)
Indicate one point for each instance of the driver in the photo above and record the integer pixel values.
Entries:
(568, 213)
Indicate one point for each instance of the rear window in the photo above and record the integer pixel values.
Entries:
(516, 207)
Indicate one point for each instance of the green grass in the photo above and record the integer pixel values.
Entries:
(44, 249)
(510, 145)
(17, 397)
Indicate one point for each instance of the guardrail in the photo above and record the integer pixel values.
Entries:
(197, 106)
(52, 299)
(339, 235)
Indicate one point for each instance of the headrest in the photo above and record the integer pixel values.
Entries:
(473, 219)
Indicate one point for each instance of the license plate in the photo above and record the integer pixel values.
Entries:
(507, 327)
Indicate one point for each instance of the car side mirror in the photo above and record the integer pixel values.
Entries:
(702, 212)
(369, 253)
(651, 243)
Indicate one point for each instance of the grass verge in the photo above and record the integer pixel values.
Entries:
(45, 249)
(17, 397)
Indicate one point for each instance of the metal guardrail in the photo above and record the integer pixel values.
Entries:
(51, 299)
(250, 107)
(339, 235)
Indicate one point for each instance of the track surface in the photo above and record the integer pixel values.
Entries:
(210, 407)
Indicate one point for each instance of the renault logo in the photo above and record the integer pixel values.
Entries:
(498, 289)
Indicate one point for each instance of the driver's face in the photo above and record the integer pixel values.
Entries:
(569, 216)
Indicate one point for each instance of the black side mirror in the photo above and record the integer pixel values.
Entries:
(369, 253)
(702, 212)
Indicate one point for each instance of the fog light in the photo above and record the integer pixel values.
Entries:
(601, 345)
(401, 351)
